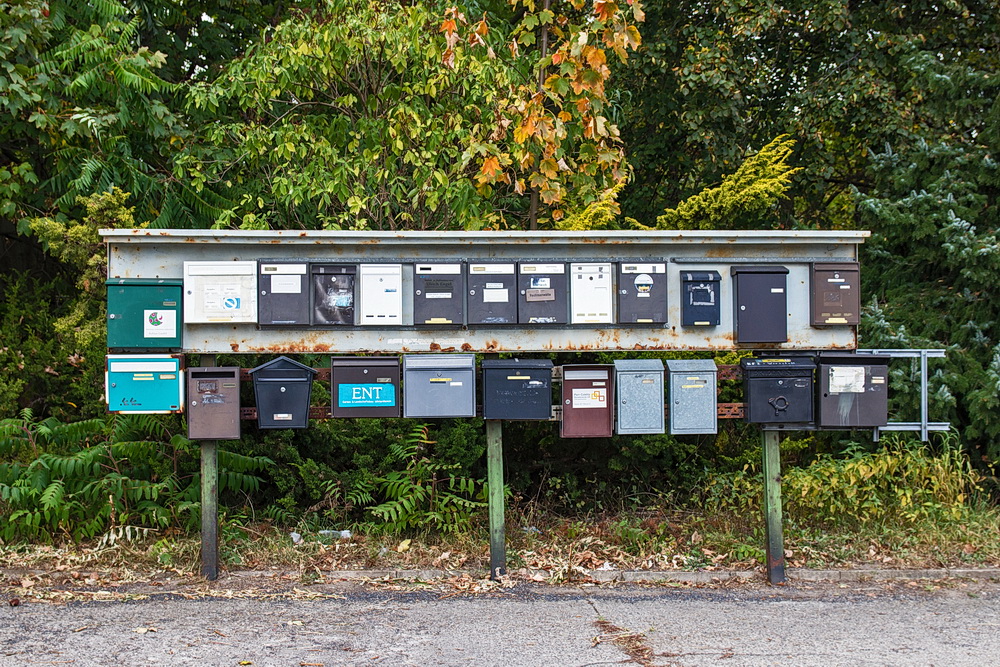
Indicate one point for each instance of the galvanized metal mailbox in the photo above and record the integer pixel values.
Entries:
(701, 298)
(283, 298)
(283, 390)
(591, 293)
(693, 396)
(144, 314)
(439, 385)
(517, 389)
(835, 293)
(779, 391)
(220, 292)
(587, 401)
(334, 294)
(438, 293)
(853, 390)
(213, 403)
(639, 388)
(542, 297)
(144, 383)
(761, 313)
(380, 294)
(365, 387)
(492, 293)
(642, 293)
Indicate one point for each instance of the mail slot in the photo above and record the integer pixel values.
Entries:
(693, 396)
(492, 293)
(836, 293)
(144, 314)
(144, 383)
(517, 389)
(283, 389)
(639, 387)
(439, 385)
(213, 403)
(587, 395)
(334, 294)
(283, 298)
(853, 390)
(380, 294)
(438, 294)
(761, 313)
(542, 297)
(591, 293)
(220, 292)
(365, 387)
(701, 298)
(778, 391)
(642, 293)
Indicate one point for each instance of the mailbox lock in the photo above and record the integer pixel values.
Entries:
(417, 292)
(282, 390)
(365, 371)
(779, 403)
(111, 316)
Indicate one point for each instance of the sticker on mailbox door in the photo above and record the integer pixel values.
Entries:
(159, 324)
(590, 398)
(366, 396)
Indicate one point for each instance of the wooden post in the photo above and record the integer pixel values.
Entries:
(772, 508)
(494, 476)
(210, 503)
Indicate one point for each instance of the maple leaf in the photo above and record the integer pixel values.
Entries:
(605, 10)
(488, 172)
(448, 59)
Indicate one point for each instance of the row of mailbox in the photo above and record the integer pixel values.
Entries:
(597, 400)
(146, 313)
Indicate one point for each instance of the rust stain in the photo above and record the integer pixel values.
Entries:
(302, 235)
(435, 347)
(235, 347)
(466, 347)
(492, 345)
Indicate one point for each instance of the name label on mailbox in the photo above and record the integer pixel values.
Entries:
(366, 396)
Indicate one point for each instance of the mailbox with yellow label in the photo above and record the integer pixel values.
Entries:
(439, 385)
(144, 383)
(587, 401)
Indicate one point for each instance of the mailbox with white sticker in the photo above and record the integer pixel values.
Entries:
(439, 385)
(701, 298)
(144, 314)
(853, 390)
(492, 293)
(334, 294)
(642, 293)
(220, 292)
(542, 293)
(144, 383)
(587, 401)
(438, 294)
(283, 298)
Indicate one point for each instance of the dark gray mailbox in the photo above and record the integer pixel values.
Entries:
(779, 391)
(542, 293)
(283, 293)
(642, 293)
(439, 385)
(761, 312)
(213, 403)
(587, 401)
(835, 293)
(365, 387)
(693, 396)
(639, 387)
(438, 294)
(701, 298)
(853, 390)
(334, 294)
(492, 293)
(517, 389)
(283, 388)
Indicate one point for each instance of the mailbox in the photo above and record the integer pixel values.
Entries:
(642, 293)
(333, 294)
(220, 292)
(591, 293)
(778, 391)
(693, 396)
(438, 294)
(144, 383)
(542, 294)
(492, 293)
(517, 389)
(381, 294)
(836, 293)
(365, 387)
(213, 403)
(761, 312)
(439, 385)
(587, 395)
(853, 390)
(283, 389)
(639, 388)
(144, 313)
(701, 298)
(283, 297)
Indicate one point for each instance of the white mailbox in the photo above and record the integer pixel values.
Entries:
(380, 294)
(590, 290)
(220, 292)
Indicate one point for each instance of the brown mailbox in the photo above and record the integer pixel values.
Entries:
(213, 403)
(835, 293)
(587, 399)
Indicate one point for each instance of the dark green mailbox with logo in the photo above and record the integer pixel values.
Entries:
(144, 314)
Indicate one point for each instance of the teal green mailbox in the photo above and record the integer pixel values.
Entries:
(144, 313)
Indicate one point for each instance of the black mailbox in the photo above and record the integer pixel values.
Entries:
(700, 298)
(853, 390)
(365, 387)
(283, 297)
(642, 293)
(492, 293)
(761, 314)
(334, 294)
(283, 388)
(543, 291)
(778, 391)
(438, 294)
(517, 389)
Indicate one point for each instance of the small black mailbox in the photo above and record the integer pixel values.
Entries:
(700, 298)
(853, 390)
(283, 388)
(365, 387)
(778, 391)
(517, 389)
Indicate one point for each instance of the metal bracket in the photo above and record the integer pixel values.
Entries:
(924, 426)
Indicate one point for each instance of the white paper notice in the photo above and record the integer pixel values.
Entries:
(847, 379)
(286, 284)
(159, 324)
(590, 398)
(496, 296)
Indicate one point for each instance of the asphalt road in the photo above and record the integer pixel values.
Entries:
(815, 624)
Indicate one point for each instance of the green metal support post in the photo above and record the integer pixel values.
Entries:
(210, 503)
(772, 508)
(494, 474)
